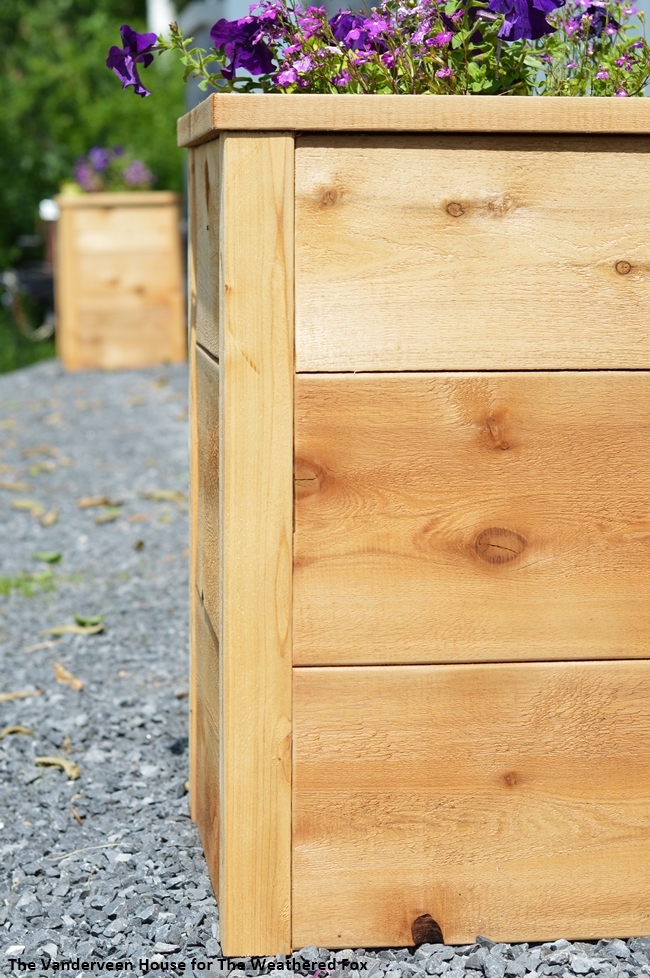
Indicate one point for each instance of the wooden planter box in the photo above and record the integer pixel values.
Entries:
(119, 281)
(421, 683)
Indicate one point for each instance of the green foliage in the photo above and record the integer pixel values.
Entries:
(16, 350)
(58, 100)
(27, 584)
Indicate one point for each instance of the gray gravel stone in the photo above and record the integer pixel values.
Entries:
(130, 881)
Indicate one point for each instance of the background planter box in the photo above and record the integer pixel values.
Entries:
(421, 515)
(118, 281)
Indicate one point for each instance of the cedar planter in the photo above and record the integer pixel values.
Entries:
(420, 682)
(118, 281)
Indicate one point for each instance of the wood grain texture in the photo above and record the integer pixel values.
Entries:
(206, 556)
(193, 526)
(414, 113)
(206, 779)
(118, 280)
(203, 210)
(481, 252)
(507, 800)
(457, 517)
(256, 418)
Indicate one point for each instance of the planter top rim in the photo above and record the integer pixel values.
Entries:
(410, 113)
(118, 198)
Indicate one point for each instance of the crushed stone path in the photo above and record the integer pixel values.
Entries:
(104, 871)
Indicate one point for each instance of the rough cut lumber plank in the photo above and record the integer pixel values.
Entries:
(410, 113)
(204, 190)
(120, 299)
(207, 568)
(506, 800)
(193, 521)
(481, 253)
(450, 518)
(256, 437)
(206, 791)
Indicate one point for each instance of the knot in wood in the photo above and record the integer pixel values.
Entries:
(623, 267)
(498, 545)
(426, 930)
(510, 779)
(329, 197)
(455, 209)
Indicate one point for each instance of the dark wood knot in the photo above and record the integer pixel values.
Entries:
(623, 267)
(454, 209)
(497, 545)
(425, 930)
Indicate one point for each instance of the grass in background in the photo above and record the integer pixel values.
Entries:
(16, 350)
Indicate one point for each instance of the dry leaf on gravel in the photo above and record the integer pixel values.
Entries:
(66, 678)
(55, 418)
(71, 769)
(39, 450)
(19, 694)
(76, 815)
(29, 506)
(15, 728)
(163, 495)
(73, 630)
(86, 502)
(110, 514)
(8, 423)
(50, 518)
(39, 645)
(14, 486)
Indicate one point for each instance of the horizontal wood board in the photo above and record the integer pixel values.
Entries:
(505, 800)
(472, 252)
(459, 517)
(409, 113)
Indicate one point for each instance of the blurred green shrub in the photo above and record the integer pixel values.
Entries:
(58, 99)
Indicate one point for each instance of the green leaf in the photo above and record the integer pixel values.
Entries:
(49, 556)
(86, 620)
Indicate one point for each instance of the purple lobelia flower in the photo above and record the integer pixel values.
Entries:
(524, 18)
(238, 39)
(124, 61)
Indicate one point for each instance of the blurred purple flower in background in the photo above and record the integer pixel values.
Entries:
(99, 157)
(524, 18)
(138, 173)
(123, 61)
(238, 40)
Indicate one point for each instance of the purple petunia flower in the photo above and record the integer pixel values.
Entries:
(444, 72)
(342, 79)
(440, 39)
(600, 21)
(602, 74)
(348, 29)
(524, 18)
(124, 61)
(237, 39)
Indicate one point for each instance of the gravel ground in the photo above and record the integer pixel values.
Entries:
(105, 871)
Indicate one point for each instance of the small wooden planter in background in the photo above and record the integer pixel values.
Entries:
(420, 342)
(119, 281)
